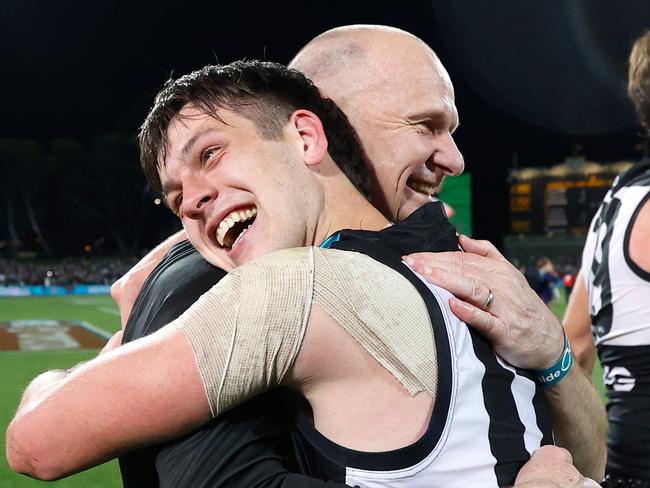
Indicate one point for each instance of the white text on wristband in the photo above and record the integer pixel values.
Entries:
(549, 377)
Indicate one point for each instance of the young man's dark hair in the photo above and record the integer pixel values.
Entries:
(263, 92)
(638, 86)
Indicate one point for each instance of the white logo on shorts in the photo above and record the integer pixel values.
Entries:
(618, 378)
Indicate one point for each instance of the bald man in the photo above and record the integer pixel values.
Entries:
(399, 98)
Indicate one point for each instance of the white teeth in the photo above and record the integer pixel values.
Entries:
(229, 221)
(422, 187)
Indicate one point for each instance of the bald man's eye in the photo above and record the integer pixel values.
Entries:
(425, 127)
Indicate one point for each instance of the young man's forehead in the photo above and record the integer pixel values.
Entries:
(192, 123)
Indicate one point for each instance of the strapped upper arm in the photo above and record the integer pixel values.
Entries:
(247, 330)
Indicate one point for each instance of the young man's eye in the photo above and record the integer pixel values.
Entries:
(208, 154)
(174, 204)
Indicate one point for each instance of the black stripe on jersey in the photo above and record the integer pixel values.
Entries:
(506, 431)
(600, 270)
(640, 272)
(160, 302)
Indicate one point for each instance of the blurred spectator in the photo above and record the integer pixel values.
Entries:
(568, 280)
(66, 272)
(543, 278)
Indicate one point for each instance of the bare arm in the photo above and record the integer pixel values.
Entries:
(526, 334)
(577, 325)
(125, 290)
(166, 384)
(106, 408)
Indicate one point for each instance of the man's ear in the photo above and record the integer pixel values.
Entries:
(312, 136)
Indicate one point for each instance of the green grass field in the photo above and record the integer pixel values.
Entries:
(20, 367)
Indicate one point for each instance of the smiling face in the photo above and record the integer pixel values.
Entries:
(405, 123)
(399, 98)
(238, 194)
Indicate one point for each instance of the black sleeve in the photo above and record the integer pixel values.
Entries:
(246, 447)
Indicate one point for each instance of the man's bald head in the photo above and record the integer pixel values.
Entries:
(347, 61)
(398, 96)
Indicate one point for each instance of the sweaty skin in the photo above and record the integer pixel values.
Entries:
(577, 324)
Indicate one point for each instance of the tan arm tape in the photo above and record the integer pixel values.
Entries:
(384, 313)
(247, 330)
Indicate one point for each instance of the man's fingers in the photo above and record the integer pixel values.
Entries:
(460, 262)
(484, 322)
(482, 248)
(457, 284)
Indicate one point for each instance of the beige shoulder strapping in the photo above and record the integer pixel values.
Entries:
(247, 330)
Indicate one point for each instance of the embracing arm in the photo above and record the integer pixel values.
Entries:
(166, 384)
(71, 420)
(525, 333)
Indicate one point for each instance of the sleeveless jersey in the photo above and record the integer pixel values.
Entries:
(619, 293)
(488, 417)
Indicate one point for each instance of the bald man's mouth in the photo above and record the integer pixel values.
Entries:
(420, 186)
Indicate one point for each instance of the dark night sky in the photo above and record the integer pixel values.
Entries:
(524, 74)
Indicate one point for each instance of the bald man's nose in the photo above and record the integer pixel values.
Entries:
(448, 157)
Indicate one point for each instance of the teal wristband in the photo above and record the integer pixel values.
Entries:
(551, 376)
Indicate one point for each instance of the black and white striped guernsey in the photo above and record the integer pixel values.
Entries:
(488, 417)
(618, 301)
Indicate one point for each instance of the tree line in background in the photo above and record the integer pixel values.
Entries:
(61, 198)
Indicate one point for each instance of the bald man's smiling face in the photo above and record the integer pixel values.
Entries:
(405, 120)
(399, 98)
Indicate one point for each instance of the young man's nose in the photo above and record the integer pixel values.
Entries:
(195, 202)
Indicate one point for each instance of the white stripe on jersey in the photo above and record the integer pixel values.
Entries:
(630, 324)
(525, 391)
(463, 454)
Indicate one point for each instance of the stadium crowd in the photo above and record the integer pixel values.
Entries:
(66, 272)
